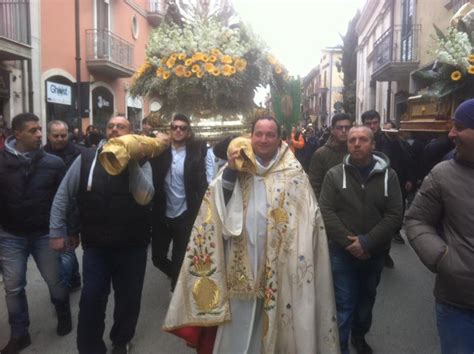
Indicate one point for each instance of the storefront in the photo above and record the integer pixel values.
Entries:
(134, 112)
(60, 100)
(4, 92)
(102, 107)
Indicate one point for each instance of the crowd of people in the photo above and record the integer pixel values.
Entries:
(280, 250)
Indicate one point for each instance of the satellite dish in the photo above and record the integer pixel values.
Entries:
(155, 106)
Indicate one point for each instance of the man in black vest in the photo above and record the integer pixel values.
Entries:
(29, 177)
(114, 234)
(58, 144)
(179, 176)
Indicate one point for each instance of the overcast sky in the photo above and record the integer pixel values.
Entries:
(297, 30)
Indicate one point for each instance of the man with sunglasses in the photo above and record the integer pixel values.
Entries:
(179, 177)
(332, 153)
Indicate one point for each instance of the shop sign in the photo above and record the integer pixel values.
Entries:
(102, 102)
(134, 102)
(58, 93)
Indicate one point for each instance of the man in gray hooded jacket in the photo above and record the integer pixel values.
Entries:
(361, 206)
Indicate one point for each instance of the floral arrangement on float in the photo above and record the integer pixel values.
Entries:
(206, 66)
(453, 69)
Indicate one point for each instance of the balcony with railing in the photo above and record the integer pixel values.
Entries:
(108, 54)
(15, 31)
(396, 53)
(156, 11)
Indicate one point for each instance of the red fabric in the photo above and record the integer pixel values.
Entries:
(200, 338)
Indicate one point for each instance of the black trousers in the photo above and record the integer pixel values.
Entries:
(177, 230)
(125, 269)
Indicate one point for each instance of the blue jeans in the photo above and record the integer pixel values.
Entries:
(125, 269)
(355, 287)
(455, 328)
(69, 268)
(14, 253)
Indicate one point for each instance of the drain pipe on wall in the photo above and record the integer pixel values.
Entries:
(78, 64)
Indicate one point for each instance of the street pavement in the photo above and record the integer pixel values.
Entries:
(404, 319)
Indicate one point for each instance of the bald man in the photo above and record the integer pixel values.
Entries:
(114, 235)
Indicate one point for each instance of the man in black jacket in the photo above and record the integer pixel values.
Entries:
(59, 145)
(180, 182)
(114, 235)
(29, 177)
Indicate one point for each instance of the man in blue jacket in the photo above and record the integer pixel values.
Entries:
(29, 178)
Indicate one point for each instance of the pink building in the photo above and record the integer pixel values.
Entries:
(101, 42)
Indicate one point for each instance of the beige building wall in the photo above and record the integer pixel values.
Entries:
(331, 79)
(375, 19)
(439, 15)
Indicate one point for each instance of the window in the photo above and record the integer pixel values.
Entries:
(135, 29)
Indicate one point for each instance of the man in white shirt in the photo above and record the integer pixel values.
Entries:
(179, 177)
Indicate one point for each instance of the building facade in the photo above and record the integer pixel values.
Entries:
(322, 88)
(395, 39)
(73, 59)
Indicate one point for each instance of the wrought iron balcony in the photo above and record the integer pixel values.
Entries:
(108, 54)
(15, 31)
(156, 11)
(396, 53)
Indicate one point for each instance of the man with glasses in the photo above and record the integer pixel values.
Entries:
(115, 233)
(331, 153)
(179, 177)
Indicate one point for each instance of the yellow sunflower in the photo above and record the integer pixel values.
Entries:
(212, 58)
(216, 52)
(278, 70)
(181, 56)
(216, 72)
(209, 67)
(195, 68)
(205, 58)
(471, 58)
(166, 75)
(271, 59)
(470, 70)
(456, 75)
(232, 70)
(180, 70)
(170, 62)
(226, 59)
(159, 72)
(198, 56)
(188, 62)
(188, 74)
(226, 70)
(199, 74)
(240, 64)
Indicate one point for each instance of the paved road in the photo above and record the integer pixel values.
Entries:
(404, 321)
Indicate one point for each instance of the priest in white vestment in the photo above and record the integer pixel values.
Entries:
(256, 276)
